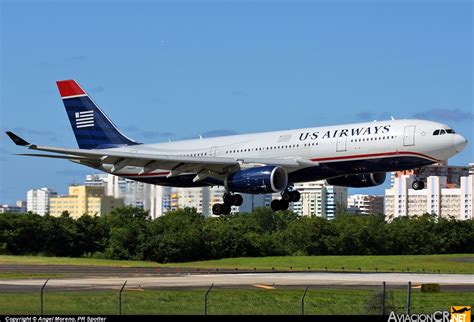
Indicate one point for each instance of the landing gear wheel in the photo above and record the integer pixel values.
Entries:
(286, 196)
(275, 205)
(279, 204)
(418, 185)
(284, 205)
(217, 209)
(226, 210)
(238, 200)
(233, 200)
(295, 196)
(228, 199)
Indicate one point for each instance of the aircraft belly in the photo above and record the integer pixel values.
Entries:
(334, 169)
(322, 171)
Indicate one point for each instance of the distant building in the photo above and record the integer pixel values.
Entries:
(37, 200)
(439, 197)
(18, 209)
(22, 205)
(320, 199)
(365, 204)
(203, 198)
(81, 200)
(150, 197)
(158, 199)
(251, 202)
(191, 198)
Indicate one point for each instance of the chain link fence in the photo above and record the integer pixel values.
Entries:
(117, 299)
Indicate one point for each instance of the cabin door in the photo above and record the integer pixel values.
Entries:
(341, 144)
(409, 135)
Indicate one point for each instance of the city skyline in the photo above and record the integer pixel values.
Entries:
(181, 70)
(448, 193)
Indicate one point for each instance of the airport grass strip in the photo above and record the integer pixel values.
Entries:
(22, 275)
(459, 263)
(228, 301)
(446, 264)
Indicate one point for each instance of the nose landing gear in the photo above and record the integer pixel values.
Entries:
(417, 184)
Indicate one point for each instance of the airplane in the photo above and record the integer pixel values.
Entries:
(461, 310)
(350, 155)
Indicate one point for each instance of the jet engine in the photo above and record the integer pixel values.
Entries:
(258, 180)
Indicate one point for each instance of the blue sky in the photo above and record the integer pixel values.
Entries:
(171, 70)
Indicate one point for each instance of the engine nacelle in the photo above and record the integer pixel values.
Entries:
(259, 180)
(359, 180)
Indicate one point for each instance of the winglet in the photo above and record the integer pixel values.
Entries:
(18, 140)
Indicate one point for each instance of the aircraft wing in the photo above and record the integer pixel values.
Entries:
(206, 166)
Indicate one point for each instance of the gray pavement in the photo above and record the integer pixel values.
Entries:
(242, 279)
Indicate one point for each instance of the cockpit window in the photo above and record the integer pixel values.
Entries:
(443, 131)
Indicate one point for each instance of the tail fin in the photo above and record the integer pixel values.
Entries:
(92, 128)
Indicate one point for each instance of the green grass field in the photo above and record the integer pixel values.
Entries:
(228, 301)
(17, 275)
(43, 260)
(415, 263)
(411, 263)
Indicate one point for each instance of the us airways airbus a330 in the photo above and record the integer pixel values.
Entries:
(351, 155)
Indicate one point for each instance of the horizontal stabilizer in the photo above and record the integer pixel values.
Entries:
(18, 140)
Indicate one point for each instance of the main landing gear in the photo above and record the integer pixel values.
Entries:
(229, 201)
(287, 196)
(417, 184)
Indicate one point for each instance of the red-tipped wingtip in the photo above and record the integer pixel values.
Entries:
(69, 88)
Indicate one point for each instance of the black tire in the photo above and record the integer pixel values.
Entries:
(217, 209)
(418, 185)
(284, 205)
(226, 210)
(228, 199)
(238, 200)
(275, 204)
(295, 196)
(286, 196)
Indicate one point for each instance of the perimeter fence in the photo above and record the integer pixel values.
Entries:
(49, 298)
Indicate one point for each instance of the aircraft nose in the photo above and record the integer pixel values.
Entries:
(459, 142)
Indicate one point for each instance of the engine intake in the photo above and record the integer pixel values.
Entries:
(359, 180)
(258, 180)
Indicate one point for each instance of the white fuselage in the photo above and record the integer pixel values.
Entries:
(390, 140)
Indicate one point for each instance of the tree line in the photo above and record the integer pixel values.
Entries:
(185, 235)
